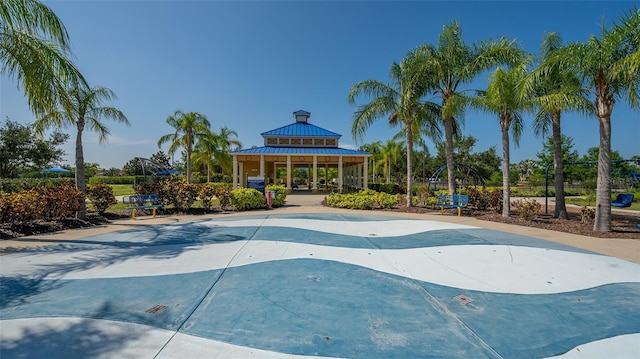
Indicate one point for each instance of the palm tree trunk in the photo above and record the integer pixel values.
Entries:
(506, 173)
(80, 179)
(448, 146)
(208, 173)
(602, 222)
(388, 170)
(561, 208)
(409, 134)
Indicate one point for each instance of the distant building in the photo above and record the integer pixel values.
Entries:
(301, 145)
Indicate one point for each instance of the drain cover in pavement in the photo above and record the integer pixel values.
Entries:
(463, 299)
(156, 309)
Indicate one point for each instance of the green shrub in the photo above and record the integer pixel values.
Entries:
(365, 199)
(479, 198)
(247, 198)
(527, 209)
(101, 196)
(21, 184)
(281, 195)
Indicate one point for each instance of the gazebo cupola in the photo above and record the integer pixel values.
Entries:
(301, 116)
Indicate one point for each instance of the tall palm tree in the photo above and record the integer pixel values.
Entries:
(34, 49)
(558, 90)
(505, 97)
(452, 63)
(87, 111)
(609, 68)
(400, 100)
(188, 128)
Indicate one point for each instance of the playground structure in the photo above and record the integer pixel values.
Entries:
(155, 168)
(465, 176)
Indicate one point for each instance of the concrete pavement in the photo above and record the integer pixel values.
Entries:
(309, 281)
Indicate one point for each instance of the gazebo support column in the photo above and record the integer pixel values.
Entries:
(262, 167)
(234, 172)
(314, 189)
(340, 179)
(289, 173)
(365, 180)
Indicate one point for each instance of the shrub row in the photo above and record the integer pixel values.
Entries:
(182, 195)
(12, 185)
(365, 199)
(48, 202)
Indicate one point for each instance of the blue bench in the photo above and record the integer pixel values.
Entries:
(458, 201)
(141, 201)
(623, 200)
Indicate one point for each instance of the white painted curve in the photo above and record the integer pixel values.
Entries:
(489, 268)
(385, 228)
(619, 347)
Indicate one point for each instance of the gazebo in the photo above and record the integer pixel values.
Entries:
(300, 145)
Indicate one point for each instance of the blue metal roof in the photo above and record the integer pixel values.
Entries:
(301, 151)
(302, 112)
(300, 129)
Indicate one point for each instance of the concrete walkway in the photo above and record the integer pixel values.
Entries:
(310, 281)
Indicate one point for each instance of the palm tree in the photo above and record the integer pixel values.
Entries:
(203, 152)
(400, 100)
(453, 63)
(188, 127)
(87, 111)
(34, 46)
(374, 149)
(505, 97)
(558, 90)
(609, 68)
(228, 140)
(389, 153)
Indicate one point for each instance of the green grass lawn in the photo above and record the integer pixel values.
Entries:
(122, 189)
(635, 206)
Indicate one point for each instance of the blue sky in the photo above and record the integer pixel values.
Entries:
(248, 65)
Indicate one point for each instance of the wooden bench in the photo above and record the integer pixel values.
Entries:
(458, 201)
(141, 201)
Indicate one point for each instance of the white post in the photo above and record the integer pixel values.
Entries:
(262, 167)
(234, 171)
(340, 174)
(315, 174)
(365, 183)
(242, 179)
(289, 173)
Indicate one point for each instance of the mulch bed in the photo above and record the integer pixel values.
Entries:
(622, 225)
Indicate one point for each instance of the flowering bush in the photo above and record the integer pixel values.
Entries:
(101, 196)
(56, 201)
(527, 209)
(221, 191)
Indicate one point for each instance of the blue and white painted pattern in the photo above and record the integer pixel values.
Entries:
(324, 286)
